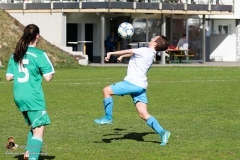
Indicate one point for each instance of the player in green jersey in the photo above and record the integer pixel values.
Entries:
(26, 67)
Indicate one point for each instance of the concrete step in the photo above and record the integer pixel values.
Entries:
(84, 62)
(67, 49)
(76, 53)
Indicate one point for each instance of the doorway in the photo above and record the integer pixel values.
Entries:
(113, 26)
(191, 27)
(72, 32)
(89, 37)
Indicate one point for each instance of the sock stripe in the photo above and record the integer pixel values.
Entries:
(151, 125)
(107, 105)
(37, 138)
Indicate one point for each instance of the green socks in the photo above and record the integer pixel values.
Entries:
(35, 147)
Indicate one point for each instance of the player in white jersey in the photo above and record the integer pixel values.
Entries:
(26, 67)
(135, 84)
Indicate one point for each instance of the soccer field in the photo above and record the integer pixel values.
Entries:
(200, 106)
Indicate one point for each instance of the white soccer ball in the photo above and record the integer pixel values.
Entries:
(125, 30)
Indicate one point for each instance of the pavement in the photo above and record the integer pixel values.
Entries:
(220, 64)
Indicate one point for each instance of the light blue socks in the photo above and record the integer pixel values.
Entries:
(153, 123)
(108, 105)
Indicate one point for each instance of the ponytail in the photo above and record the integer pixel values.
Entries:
(29, 35)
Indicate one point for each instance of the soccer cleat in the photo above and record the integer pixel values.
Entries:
(165, 136)
(26, 155)
(103, 120)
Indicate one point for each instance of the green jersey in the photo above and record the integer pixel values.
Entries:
(28, 92)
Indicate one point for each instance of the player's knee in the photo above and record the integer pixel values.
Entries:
(141, 116)
(144, 116)
(106, 90)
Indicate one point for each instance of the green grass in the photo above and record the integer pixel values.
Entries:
(198, 105)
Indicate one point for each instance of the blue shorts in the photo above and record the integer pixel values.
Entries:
(137, 93)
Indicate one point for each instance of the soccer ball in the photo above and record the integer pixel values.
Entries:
(125, 30)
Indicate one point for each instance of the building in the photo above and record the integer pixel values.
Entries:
(64, 22)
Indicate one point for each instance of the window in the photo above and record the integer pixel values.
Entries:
(224, 29)
(223, 26)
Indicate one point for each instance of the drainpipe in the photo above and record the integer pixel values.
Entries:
(204, 40)
(102, 38)
(163, 32)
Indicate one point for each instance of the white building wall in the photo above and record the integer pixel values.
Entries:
(223, 45)
(52, 26)
(223, 48)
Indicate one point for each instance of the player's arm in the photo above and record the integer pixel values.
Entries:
(119, 59)
(129, 52)
(46, 67)
(9, 74)
(48, 77)
(9, 77)
(179, 43)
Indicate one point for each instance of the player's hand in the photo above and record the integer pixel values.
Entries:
(108, 56)
(119, 59)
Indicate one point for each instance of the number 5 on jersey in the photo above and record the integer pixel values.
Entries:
(21, 68)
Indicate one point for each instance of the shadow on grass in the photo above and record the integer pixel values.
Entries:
(20, 157)
(129, 136)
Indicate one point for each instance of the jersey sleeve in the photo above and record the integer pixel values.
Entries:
(10, 66)
(45, 65)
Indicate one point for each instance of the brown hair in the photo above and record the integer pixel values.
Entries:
(29, 35)
(162, 43)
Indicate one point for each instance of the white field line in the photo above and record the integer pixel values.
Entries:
(97, 82)
(75, 79)
(184, 81)
(189, 81)
(81, 79)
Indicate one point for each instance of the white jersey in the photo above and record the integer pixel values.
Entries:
(139, 64)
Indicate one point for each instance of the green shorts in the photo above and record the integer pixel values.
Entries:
(36, 118)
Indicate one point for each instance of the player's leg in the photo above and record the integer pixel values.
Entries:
(150, 120)
(108, 105)
(34, 146)
(38, 120)
(120, 89)
(140, 101)
(36, 143)
(30, 135)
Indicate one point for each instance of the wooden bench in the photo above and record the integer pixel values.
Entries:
(189, 58)
(178, 58)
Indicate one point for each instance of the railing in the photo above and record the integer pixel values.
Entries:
(212, 2)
